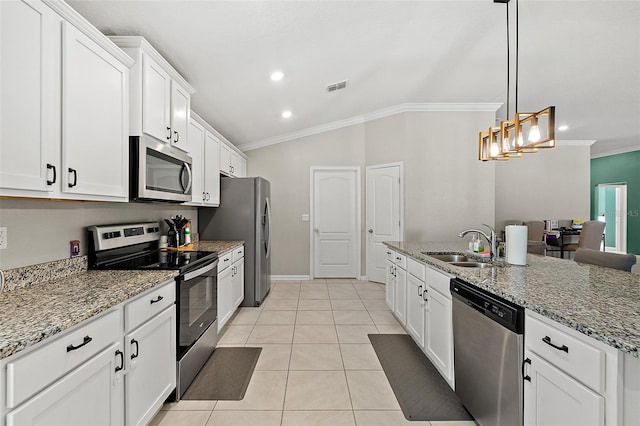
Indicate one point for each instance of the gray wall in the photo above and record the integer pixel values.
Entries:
(446, 188)
(40, 230)
(550, 184)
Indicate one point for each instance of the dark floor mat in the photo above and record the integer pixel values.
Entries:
(420, 390)
(225, 375)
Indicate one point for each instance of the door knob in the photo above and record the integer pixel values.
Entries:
(316, 229)
(371, 231)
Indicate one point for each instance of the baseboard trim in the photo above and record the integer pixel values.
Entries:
(363, 278)
(290, 277)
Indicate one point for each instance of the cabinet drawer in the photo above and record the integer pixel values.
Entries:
(401, 261)
(573, 356)
(149, 305)
(391, 255)
(225, 261)
(439, 281)
(416, 269)
(29, 374)
(238, 253)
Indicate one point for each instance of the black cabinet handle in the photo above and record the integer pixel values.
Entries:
(156, 300)
(121, 355)
(135, 342)
(75, 177)
(525, 376)
(398, 258)
(419, 287)
(85, 341)
(177, 137)
(424, 295)
(547, 340)
(52, 167)
(169, 135)
(388, 252)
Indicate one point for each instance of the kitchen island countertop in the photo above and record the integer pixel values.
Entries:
(602, 303)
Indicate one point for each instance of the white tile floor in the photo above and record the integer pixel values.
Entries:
(317, 365)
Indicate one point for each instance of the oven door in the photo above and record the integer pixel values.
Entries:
(160, 172)
(197, 305)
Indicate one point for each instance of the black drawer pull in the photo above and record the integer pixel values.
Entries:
(526, 376)
(156, 300)
(52, 167)
(547, 340)
(85, 341)
(121, 355)
(135, 342)
(75, 177)
(169, 135)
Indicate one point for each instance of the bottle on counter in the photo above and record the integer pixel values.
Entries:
(187, 233)
(480, 245)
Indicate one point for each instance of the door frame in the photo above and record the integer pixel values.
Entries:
(358, 245)
(400, 164)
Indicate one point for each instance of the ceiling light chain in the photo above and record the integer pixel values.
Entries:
(507, 141)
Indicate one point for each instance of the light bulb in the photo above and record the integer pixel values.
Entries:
(534, 132)
(520, 139)
(494, 150)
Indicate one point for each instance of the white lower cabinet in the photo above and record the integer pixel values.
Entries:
(116, 369)
(151, 369)
(416, 295)
(91, 394)
(401, 295)
(555, 398)
(230, 284)
(390, 287)
(438, 342)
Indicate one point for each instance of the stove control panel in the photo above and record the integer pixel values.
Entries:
(107, 237)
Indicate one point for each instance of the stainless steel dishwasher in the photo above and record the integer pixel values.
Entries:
(488, 335)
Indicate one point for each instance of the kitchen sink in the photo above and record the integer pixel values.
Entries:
(448, 257)
(471, 264)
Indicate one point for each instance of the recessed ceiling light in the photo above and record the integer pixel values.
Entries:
(286, 114)
(277, 76)
(563, 128)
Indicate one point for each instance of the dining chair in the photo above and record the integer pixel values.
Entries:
(623, 262)
(590, 236)
(535, 230)
(537, 247)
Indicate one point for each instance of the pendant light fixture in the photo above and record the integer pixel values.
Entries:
(527, 131)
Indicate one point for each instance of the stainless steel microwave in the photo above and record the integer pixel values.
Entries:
(158, 171)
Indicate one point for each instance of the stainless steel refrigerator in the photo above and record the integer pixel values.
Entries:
(244, 214)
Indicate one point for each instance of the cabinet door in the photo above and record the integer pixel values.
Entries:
(30, 104)
(225, 159)
(92, 394)
(554, 398)
(390, 285)
(415, 309)
(243, 167)
(156, 100)
(211, 170)
(439, 332)
(236, 164)
(196, 148)
(225, 296)
(238, 283)
(95, 111)
(151, 366)
(180, 104)
(401, 295)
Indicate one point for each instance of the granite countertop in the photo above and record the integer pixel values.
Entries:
(221, 247)
(602, 303)
(31, 314)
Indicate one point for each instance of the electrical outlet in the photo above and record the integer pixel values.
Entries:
(74, 248)
(3, 238)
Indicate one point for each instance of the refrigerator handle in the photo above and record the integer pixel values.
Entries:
(267, 240)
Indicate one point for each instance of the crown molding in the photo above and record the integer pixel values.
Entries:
(139, 42)
(386, 112)
(70, 15)
(567, 142)
(616, 151)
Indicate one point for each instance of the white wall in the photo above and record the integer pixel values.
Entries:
(550, 184)
(446, 188)
(40, 230)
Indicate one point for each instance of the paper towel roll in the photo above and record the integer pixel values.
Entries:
(516, 243)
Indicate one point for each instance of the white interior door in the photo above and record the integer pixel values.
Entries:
(335, 226)
(384, 218)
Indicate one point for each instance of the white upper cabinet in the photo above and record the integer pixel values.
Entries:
(156, 100)
(196, 149)
(64, 106)
(225, 159)
(204, 146)
(94, 119)
(160, 97)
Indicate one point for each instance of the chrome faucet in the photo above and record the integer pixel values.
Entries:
(491, 239)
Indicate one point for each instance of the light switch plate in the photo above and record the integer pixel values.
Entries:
(305, 218)
(3, 238)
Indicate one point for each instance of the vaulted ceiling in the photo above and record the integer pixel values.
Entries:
(581, 56)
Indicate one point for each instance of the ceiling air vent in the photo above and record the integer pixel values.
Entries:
(336, 86)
